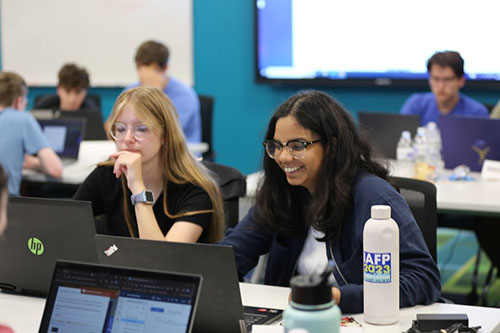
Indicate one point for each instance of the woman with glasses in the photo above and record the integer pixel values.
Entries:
(152, 187)
(319, 184)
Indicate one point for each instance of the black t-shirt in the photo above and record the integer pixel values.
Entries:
(105, 193)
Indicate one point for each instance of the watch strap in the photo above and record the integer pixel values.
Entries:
(146, 197)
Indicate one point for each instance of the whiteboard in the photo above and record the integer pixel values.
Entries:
(39, 36)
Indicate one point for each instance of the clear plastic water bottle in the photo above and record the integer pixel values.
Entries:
(312, 307)
(420, 148)
(435, 159)
(381, 267)
(405, 156)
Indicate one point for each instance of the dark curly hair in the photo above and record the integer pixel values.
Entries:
(346, 153)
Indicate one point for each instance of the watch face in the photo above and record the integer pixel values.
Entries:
(149, 196)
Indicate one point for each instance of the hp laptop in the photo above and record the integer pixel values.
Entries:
(64, 136)
(220, 308)
(384, 130)
(97, 298)
(40, 231)
(469, 141)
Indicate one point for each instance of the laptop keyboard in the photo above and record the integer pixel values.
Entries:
(260, 316)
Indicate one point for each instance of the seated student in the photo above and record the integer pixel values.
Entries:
(151, 60)
(153, 187)
(21, 134)
(3, 222)
(446, 78)
(319, 184)
(71, 91)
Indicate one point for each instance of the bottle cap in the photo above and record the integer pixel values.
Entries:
(381, 212)
(310, 290)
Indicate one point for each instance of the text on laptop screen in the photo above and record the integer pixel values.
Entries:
(120, 300)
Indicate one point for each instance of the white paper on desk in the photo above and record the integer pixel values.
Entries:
(490, 170)
(281, 329)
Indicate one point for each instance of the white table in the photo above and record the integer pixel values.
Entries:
(91, 153)
(277, 297)
(467, 197)
(23, 314)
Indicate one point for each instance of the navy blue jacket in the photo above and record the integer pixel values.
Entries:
(420, 281)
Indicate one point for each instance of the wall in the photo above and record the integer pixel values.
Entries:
(223, 65)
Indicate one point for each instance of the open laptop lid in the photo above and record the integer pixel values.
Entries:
(220, 308)
(94, 126)
(469, 141)
(96, 298)
(40, 231)
(64, 135)
(384, 130)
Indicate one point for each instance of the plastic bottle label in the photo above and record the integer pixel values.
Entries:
(377, 267)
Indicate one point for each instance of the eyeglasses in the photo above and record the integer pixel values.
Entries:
(296, 147)
(118, 131)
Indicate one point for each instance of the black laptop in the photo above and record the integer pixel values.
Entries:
(220, 308)
(96, 298)
(384, 130)
(94, 129)
(64, 136)
(94, 125)
(40, 231)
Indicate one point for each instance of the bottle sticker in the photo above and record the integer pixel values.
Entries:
(377, 267)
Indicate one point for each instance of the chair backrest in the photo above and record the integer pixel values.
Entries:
(206, 113)
(232, 184)
(421, 198)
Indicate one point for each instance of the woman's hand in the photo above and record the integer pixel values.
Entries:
(129, 165)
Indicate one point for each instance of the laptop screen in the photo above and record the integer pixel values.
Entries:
(64, 135)
(96, 298)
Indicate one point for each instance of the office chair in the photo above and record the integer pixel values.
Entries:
(42, 100)
(421, 198)
(232, 184)
(206, 113)
(487, 229)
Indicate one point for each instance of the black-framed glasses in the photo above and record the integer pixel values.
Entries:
(118, 131)
(296, 147)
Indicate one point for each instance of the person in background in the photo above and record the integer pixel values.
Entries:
(71, 91)
(319, 185)
(151, 60)
(446, 78)
(21, 135)
(153, 187)
(3, 221)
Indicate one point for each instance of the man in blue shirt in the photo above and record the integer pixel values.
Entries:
(21, 134)
(152, 63)
(446, 78)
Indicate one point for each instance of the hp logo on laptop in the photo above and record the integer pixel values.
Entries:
(35, 246)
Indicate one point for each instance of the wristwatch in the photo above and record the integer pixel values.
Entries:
(146, 196)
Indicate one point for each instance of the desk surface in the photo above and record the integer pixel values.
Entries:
(469, 197)
(91, 153)
(23, 313)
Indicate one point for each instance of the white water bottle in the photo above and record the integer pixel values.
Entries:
(381, 267)
(405, 156)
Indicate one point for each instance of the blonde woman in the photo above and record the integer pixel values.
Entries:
(152, 187)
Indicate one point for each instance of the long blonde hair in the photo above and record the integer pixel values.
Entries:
(156, 110)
